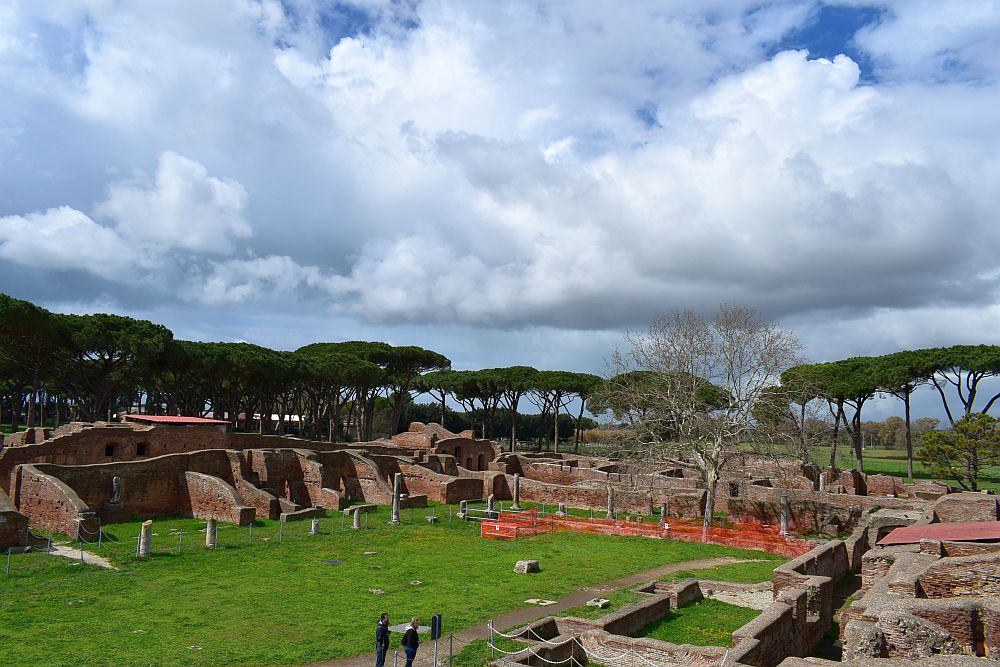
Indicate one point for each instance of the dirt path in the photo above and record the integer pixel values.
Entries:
(73, 553)
(525, 615)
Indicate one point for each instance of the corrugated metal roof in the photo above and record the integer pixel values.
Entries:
(173, 419)
(974, 531)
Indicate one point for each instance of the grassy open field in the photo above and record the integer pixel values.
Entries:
(893, 462)
(271, 603)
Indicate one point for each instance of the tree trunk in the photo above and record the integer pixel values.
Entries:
(836, 437)
(15, 409)
(579, 418)
(711, 481)
(555, 426)
(858, 438)
(909, 437)
(513, 430)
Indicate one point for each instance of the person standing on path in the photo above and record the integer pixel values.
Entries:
(411, 641)
(381, 640)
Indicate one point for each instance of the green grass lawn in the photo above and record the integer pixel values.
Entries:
(893, 462)
(271, 603)
(619, 600)
(704, 623)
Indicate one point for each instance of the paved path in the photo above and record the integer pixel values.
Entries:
(525, 615)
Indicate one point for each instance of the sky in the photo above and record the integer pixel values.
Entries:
(506, 182)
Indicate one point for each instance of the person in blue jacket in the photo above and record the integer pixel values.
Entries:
(381, 640)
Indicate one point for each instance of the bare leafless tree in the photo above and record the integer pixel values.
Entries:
(686, 390)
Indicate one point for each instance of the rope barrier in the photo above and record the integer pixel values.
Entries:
(598, 656)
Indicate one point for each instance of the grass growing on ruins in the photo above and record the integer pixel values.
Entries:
(703, 623)
(271, 603)
(619, 600)
(753, 572)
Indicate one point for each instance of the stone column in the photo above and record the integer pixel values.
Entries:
(145, 538)
(562, 510)
(822, 480)
(784, 515)
(517, 492)
(211, 534)
(314, 526)
(357, 520)
(664, 511)
(611, 502)
(650, 505)
(397, 488)
(489, 505)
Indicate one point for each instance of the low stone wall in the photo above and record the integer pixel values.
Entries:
(803, 606)
(13, 524)
(51, 505)
(963, 507)
(212, 498)
(965, 576)
(917, 603)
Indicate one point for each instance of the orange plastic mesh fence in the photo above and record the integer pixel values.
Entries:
(745, 535)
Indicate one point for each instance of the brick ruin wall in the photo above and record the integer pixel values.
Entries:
(802, 610)
(13, 524)
(922, 600)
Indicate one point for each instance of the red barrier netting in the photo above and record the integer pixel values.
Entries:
(744, 535)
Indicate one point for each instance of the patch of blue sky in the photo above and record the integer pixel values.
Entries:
(335, 20)
(830, 32)
(647, 115)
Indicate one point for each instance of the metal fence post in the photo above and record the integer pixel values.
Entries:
(395, 658)
(180, 541)
(281, 530)
(451, 649)
(7, 571)
(100, 536)
(251, 533)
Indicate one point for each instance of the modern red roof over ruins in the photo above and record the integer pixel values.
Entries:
(172, 419)
(975, 531)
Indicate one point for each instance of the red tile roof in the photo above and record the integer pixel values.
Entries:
(974, 531)
(172, 419)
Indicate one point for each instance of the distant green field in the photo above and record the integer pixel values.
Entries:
(893, 462)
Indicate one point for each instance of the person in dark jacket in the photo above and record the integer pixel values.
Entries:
(411, 641)
(381, 640)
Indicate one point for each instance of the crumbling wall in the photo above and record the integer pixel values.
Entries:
(13, 524)
(51, 505)
(962, 507)
(209, 497)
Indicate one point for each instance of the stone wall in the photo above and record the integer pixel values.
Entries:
(211, 498)
(110, 443)
(803, 606)
(51, 505)
(917, 602)
(962, 507)
(807, 509)
(965, 576)
(13, 524)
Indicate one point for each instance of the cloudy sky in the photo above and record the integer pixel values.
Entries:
(505, 182)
